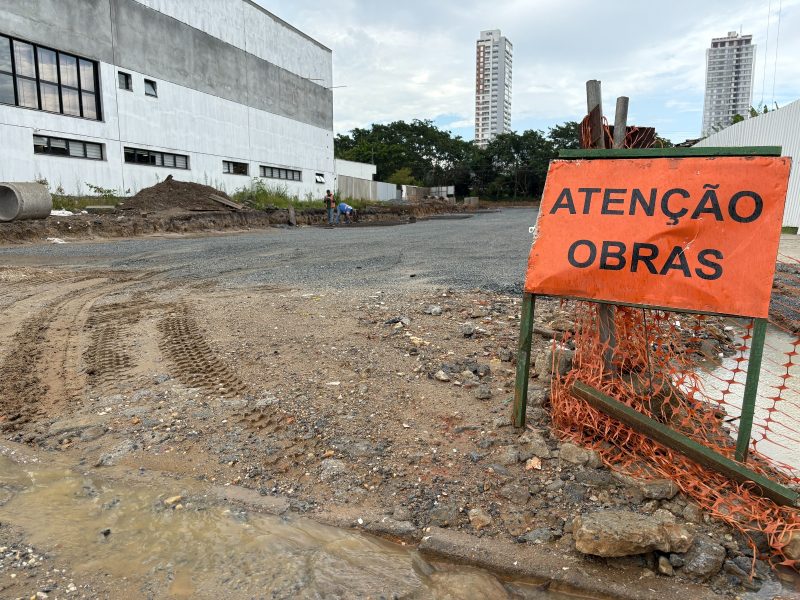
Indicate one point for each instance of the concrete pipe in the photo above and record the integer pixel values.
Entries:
(24, 201)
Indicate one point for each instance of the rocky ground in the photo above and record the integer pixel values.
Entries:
(387, 412)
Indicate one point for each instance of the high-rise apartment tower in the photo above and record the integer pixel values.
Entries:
(729, 80)
(493, 58)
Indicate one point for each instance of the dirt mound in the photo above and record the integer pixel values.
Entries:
(174, 195)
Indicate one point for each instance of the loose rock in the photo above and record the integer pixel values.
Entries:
(664, 566)
(479, 518)
(483, 392)
(573, 454)
(659, 489)
(704, 559)
(433, 309)
(623, 533)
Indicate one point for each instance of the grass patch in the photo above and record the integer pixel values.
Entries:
(78, 203)
(61, 201)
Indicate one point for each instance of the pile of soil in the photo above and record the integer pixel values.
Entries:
(176, 196)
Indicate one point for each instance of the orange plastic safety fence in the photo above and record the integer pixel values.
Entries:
(689, 371)
(635, 137)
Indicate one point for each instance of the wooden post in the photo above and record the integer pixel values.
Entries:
(594, 101)
(607, 312)
(750, 389)
(523, 360)
(594, 107)
(621, 122)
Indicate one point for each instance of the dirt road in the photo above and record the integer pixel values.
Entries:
(305, 365)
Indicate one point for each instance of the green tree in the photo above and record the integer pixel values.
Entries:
(402, 177)
(566, 136)
(429, 152)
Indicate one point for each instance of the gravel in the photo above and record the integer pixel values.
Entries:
(488, 251)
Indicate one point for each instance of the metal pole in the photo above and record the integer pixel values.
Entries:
(523, 360)
(688, 447)
(750, 389)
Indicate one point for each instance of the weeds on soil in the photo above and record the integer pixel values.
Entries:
(63, 201)
(263, 196)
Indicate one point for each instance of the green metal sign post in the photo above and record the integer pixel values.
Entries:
(751, 389)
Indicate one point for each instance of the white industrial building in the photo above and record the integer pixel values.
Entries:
(730, 63)
(119, 94)
(777, 128)
(493, 63)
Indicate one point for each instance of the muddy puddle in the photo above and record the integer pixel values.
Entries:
(144, 542)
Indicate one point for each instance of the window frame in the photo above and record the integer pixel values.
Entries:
(154, 158)
(17, 79)
(68, 145)
(128, 80)
(272, 172)
(229, 167)
(154, 84)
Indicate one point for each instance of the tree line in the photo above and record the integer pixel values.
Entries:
(512, 165)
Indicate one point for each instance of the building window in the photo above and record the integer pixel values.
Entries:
(150, 88)
(41, 78)
(319, 177)
(156, 159)
(43, 144)
(125, 81)
(234, 168)
(278, 173)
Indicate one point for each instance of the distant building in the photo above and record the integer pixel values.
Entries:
(493, 59)
(729, 80)
(120, 94)
(776, 128)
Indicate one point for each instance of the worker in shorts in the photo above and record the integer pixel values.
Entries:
(346, 210)
(330, 206)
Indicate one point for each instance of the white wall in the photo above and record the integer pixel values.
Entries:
(386, 191)
(245, 26)
(777, 128)
(358, 170)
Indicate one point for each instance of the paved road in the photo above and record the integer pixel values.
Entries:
(486, 251)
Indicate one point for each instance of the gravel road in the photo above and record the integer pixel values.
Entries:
(487, 251)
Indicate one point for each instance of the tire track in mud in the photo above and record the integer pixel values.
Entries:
(40, 371)
(106, 358)
(183, 343)
(108, 355)
(21, 386)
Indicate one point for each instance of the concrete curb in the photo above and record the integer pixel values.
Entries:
(565, 573)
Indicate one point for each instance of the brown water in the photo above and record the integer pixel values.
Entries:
(212, 550)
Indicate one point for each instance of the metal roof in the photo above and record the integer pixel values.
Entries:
(780, 127)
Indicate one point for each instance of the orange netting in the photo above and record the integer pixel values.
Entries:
(635, 137)
(688, 371)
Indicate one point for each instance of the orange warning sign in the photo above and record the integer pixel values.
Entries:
(697, 234)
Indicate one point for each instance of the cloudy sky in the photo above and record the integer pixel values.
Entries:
(414, 59)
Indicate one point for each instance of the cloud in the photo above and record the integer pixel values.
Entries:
(415, 59)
